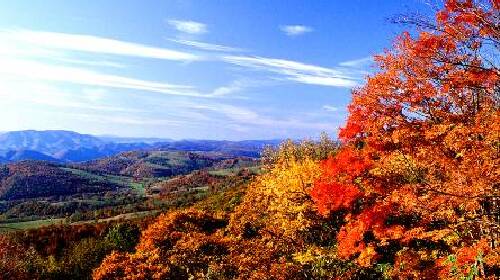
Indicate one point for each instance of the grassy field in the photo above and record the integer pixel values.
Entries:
(118, 180)
(234, 171)
(7, 227)
(127, 216)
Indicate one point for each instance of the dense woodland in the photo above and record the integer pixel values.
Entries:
(51, 180)
(411, 191)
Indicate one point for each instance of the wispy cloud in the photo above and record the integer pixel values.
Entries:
(295, 30)
(77, 105)
(207, 46)
(188, 26)
(241, 117)
(357, 63)
(127, 120)
(298, 71)
(40, 94)
(237, 86)
(93, 44)
(94, 94)
(330, 108)
(41, 71)
(87, 62)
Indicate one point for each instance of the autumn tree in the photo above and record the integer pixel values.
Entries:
(272, 234)
(179, 245)
(10, 253)
(419, 168)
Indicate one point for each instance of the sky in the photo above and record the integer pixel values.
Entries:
(189, 69)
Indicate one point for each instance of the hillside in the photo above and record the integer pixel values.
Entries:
(31, 179)
(147, 164)
(247, 148)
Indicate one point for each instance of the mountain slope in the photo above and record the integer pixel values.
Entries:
(147, 164)
(30, 179)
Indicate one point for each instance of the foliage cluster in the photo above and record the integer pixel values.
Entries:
(411, 193)
(63, 251)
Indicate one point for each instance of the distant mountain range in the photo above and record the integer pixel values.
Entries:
(69, 146)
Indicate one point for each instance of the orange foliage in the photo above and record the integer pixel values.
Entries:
(10, 253)
(421, 145)
(167, 247)
(336, 189)
(191, 245)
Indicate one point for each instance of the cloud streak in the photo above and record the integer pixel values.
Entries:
(127, 120)
(93, 44)
(298, 71)
(237, 86)
(357, 63)
(330, 108)
(40, 71)
(207, 46)
(243, 117)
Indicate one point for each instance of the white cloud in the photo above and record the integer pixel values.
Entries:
(40, 71)
(324, 81)
(92, 44)
(41, 94)
(127, 120)
(226, 90)
(240, 116)
(237, 86)
(362, 62)
(191, 27)
(97, 63)
(295, 30)
(94, 94)
(52, 102)
(207, 46)
(298, 71)
(330, 108)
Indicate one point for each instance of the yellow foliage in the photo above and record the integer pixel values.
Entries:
(279, 200)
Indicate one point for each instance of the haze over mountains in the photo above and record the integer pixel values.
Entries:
(69, 146)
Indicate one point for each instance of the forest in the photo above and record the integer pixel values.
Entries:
(411, 189)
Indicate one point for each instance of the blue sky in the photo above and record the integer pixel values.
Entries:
(249, 69)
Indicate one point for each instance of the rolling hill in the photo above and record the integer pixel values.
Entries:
(32, 179)
(150, 164)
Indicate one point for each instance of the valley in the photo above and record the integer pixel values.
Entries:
(129, 185)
